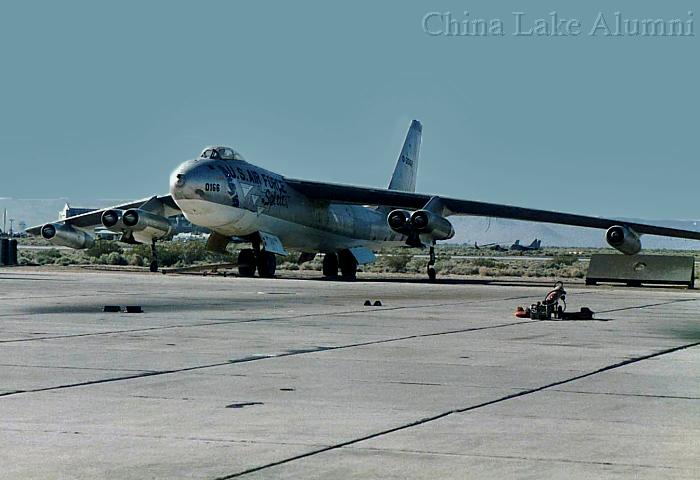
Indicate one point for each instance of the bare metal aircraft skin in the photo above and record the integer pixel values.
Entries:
(221, 191)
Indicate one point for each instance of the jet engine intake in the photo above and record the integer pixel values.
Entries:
(623, 239)
(112, 220)
(424, 221)
(66, 236)
(400, 221)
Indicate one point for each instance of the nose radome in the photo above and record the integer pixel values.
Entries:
(180, 180)
(177, 181)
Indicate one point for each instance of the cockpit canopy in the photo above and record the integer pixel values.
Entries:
(221, 153)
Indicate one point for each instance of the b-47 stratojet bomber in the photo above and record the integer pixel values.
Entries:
(233, 198)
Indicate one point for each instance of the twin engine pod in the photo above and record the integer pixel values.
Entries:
(420, 222)
(65, 235)
(143, 224)
(623, 239)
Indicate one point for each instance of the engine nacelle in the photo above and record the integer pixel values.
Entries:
(623, 239)
(112, 220)
(424, 221)
(400, 221)
(146, 225)
(65, 235)
(420, 222)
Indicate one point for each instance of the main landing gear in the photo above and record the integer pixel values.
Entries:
(432, 274)
(267, 263)
(250, 260)
(343, 260)
(246, 263)
(330, 265)
(348, 265)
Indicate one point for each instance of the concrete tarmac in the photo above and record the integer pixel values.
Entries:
(295, 378)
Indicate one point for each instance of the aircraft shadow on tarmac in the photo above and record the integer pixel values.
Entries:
(500, 283)
(443, 281)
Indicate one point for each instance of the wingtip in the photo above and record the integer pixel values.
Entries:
(417, 125)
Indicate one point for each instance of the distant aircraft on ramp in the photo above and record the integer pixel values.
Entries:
(221, 191)
(535, 245)
(515, 247)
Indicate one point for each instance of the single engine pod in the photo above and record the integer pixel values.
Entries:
(66, 236)
(623, 239)
(48, 231)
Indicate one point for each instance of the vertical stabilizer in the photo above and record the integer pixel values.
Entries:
(404, 177)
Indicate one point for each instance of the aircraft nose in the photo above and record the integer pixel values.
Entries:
(181, 181)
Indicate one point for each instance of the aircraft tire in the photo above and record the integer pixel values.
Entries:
(348, 265)
(153, 267)
(330, 265)
(246, 262)
(267, 264)
(432, 274)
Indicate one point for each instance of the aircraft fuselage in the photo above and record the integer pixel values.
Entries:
(236, 198)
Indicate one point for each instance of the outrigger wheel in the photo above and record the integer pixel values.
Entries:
(432, 274)
(154, 258)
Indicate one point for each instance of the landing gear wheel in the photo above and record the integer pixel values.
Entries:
(267, 263)
(246, 262)
(432, 274)
(153, 267)
(330, 265)
(348, 265)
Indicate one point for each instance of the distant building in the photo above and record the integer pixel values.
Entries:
(69, 211)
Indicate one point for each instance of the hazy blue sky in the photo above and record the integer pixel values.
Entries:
(104, 99)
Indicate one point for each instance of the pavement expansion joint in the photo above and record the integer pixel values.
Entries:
(460, 410)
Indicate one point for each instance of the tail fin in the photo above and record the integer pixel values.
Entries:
(404, 177)
(534, 244)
